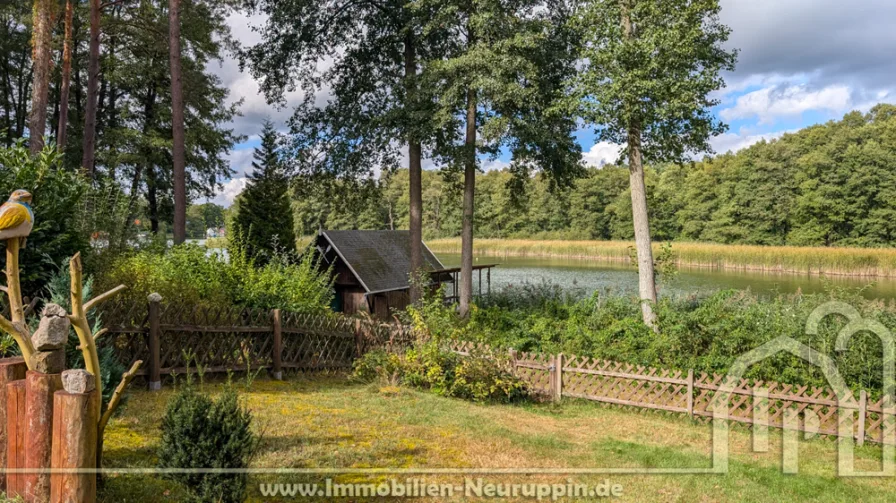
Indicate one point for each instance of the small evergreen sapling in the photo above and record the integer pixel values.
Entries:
(199, 432)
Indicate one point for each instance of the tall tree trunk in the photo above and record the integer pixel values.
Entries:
(62, 128)
(646, 278)
(88, 160)
(415, 174)
(152, 198)
(41, 41)
(466, 246)
(178, 153)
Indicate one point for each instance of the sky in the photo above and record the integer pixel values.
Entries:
(800, 62)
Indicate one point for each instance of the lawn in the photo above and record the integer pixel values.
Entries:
(330, 422)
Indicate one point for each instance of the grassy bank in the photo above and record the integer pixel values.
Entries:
(868, 262)
(332, 423)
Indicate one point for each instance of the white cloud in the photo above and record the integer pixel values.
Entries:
(232, 188)
(494, 165)
(772, 103)
(732, 142)
(241, 161)
(602, 153)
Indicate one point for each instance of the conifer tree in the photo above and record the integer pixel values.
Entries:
(263, 222)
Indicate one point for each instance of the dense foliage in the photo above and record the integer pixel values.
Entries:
(477, 377)
(58, 212)
(262, 224)
(826, 185)
(190, 274)
(702, 333)
(199, 432)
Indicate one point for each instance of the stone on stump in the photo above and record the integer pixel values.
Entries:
(78, 381)
(39, 390)
(53, 330)
(48, 362)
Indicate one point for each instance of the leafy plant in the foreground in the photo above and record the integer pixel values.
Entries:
(199, 432)
(479, 377)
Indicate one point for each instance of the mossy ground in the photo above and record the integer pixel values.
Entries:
(330, 422)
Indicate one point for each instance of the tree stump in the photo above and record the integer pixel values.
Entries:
(11, 370)
(39, 390)
(15, 439)
(74, 446)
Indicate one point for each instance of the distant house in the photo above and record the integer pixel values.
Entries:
(371, 269)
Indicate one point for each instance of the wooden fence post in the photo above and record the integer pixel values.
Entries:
(558, 377)
(15, 446)
(691, 392)
(863, 413)
(277, 371)
(11, 370)
(74, 445)
(155, 338)
(39, 390)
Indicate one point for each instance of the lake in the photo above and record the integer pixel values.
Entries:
(623, 279)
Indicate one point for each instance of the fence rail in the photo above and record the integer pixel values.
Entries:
(173, 338)
(758, 403)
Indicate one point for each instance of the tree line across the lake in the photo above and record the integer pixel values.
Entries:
(827, 185)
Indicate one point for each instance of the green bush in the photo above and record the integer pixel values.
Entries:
(192, 275)
(704, 333)
(479, 377)
(198, 432)
(58, 193)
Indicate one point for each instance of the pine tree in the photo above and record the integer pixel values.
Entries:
(263, 222)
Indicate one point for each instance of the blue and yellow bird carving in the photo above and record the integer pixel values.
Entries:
(16, 216)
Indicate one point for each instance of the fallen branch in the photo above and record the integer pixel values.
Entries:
(126, 379)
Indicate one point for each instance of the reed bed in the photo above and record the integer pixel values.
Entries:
(864, 262)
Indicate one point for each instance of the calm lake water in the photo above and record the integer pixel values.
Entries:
(623, 280)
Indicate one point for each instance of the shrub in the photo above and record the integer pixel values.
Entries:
(479, 377)
(705, 333)
(198, 432)
(190, 274)
(58, 194)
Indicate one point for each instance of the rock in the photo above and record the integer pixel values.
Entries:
(52, 333)
(48, 362)
(154, 297)
(78, 381)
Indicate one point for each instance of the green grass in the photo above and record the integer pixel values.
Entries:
(333, 423)
(871, 262)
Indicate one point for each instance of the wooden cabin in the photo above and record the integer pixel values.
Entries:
(371, 270)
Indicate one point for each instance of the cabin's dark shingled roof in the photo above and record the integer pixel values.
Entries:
(381, 259)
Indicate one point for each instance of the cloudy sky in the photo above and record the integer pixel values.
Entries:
(801, 62)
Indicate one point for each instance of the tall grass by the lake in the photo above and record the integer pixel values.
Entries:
(869, 262)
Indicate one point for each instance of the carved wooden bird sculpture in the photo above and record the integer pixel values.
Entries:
(16, 217)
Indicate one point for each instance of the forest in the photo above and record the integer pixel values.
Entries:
(827, 185)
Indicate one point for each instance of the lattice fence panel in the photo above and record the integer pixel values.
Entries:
(217, 338)
(127, 326)
(535, 369)
(624, 384)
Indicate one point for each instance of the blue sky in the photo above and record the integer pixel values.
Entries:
(801, 62)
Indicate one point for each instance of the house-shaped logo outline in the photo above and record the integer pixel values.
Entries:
(846, 401)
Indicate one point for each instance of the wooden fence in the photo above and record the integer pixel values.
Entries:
(172, 338)
(756, 403)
